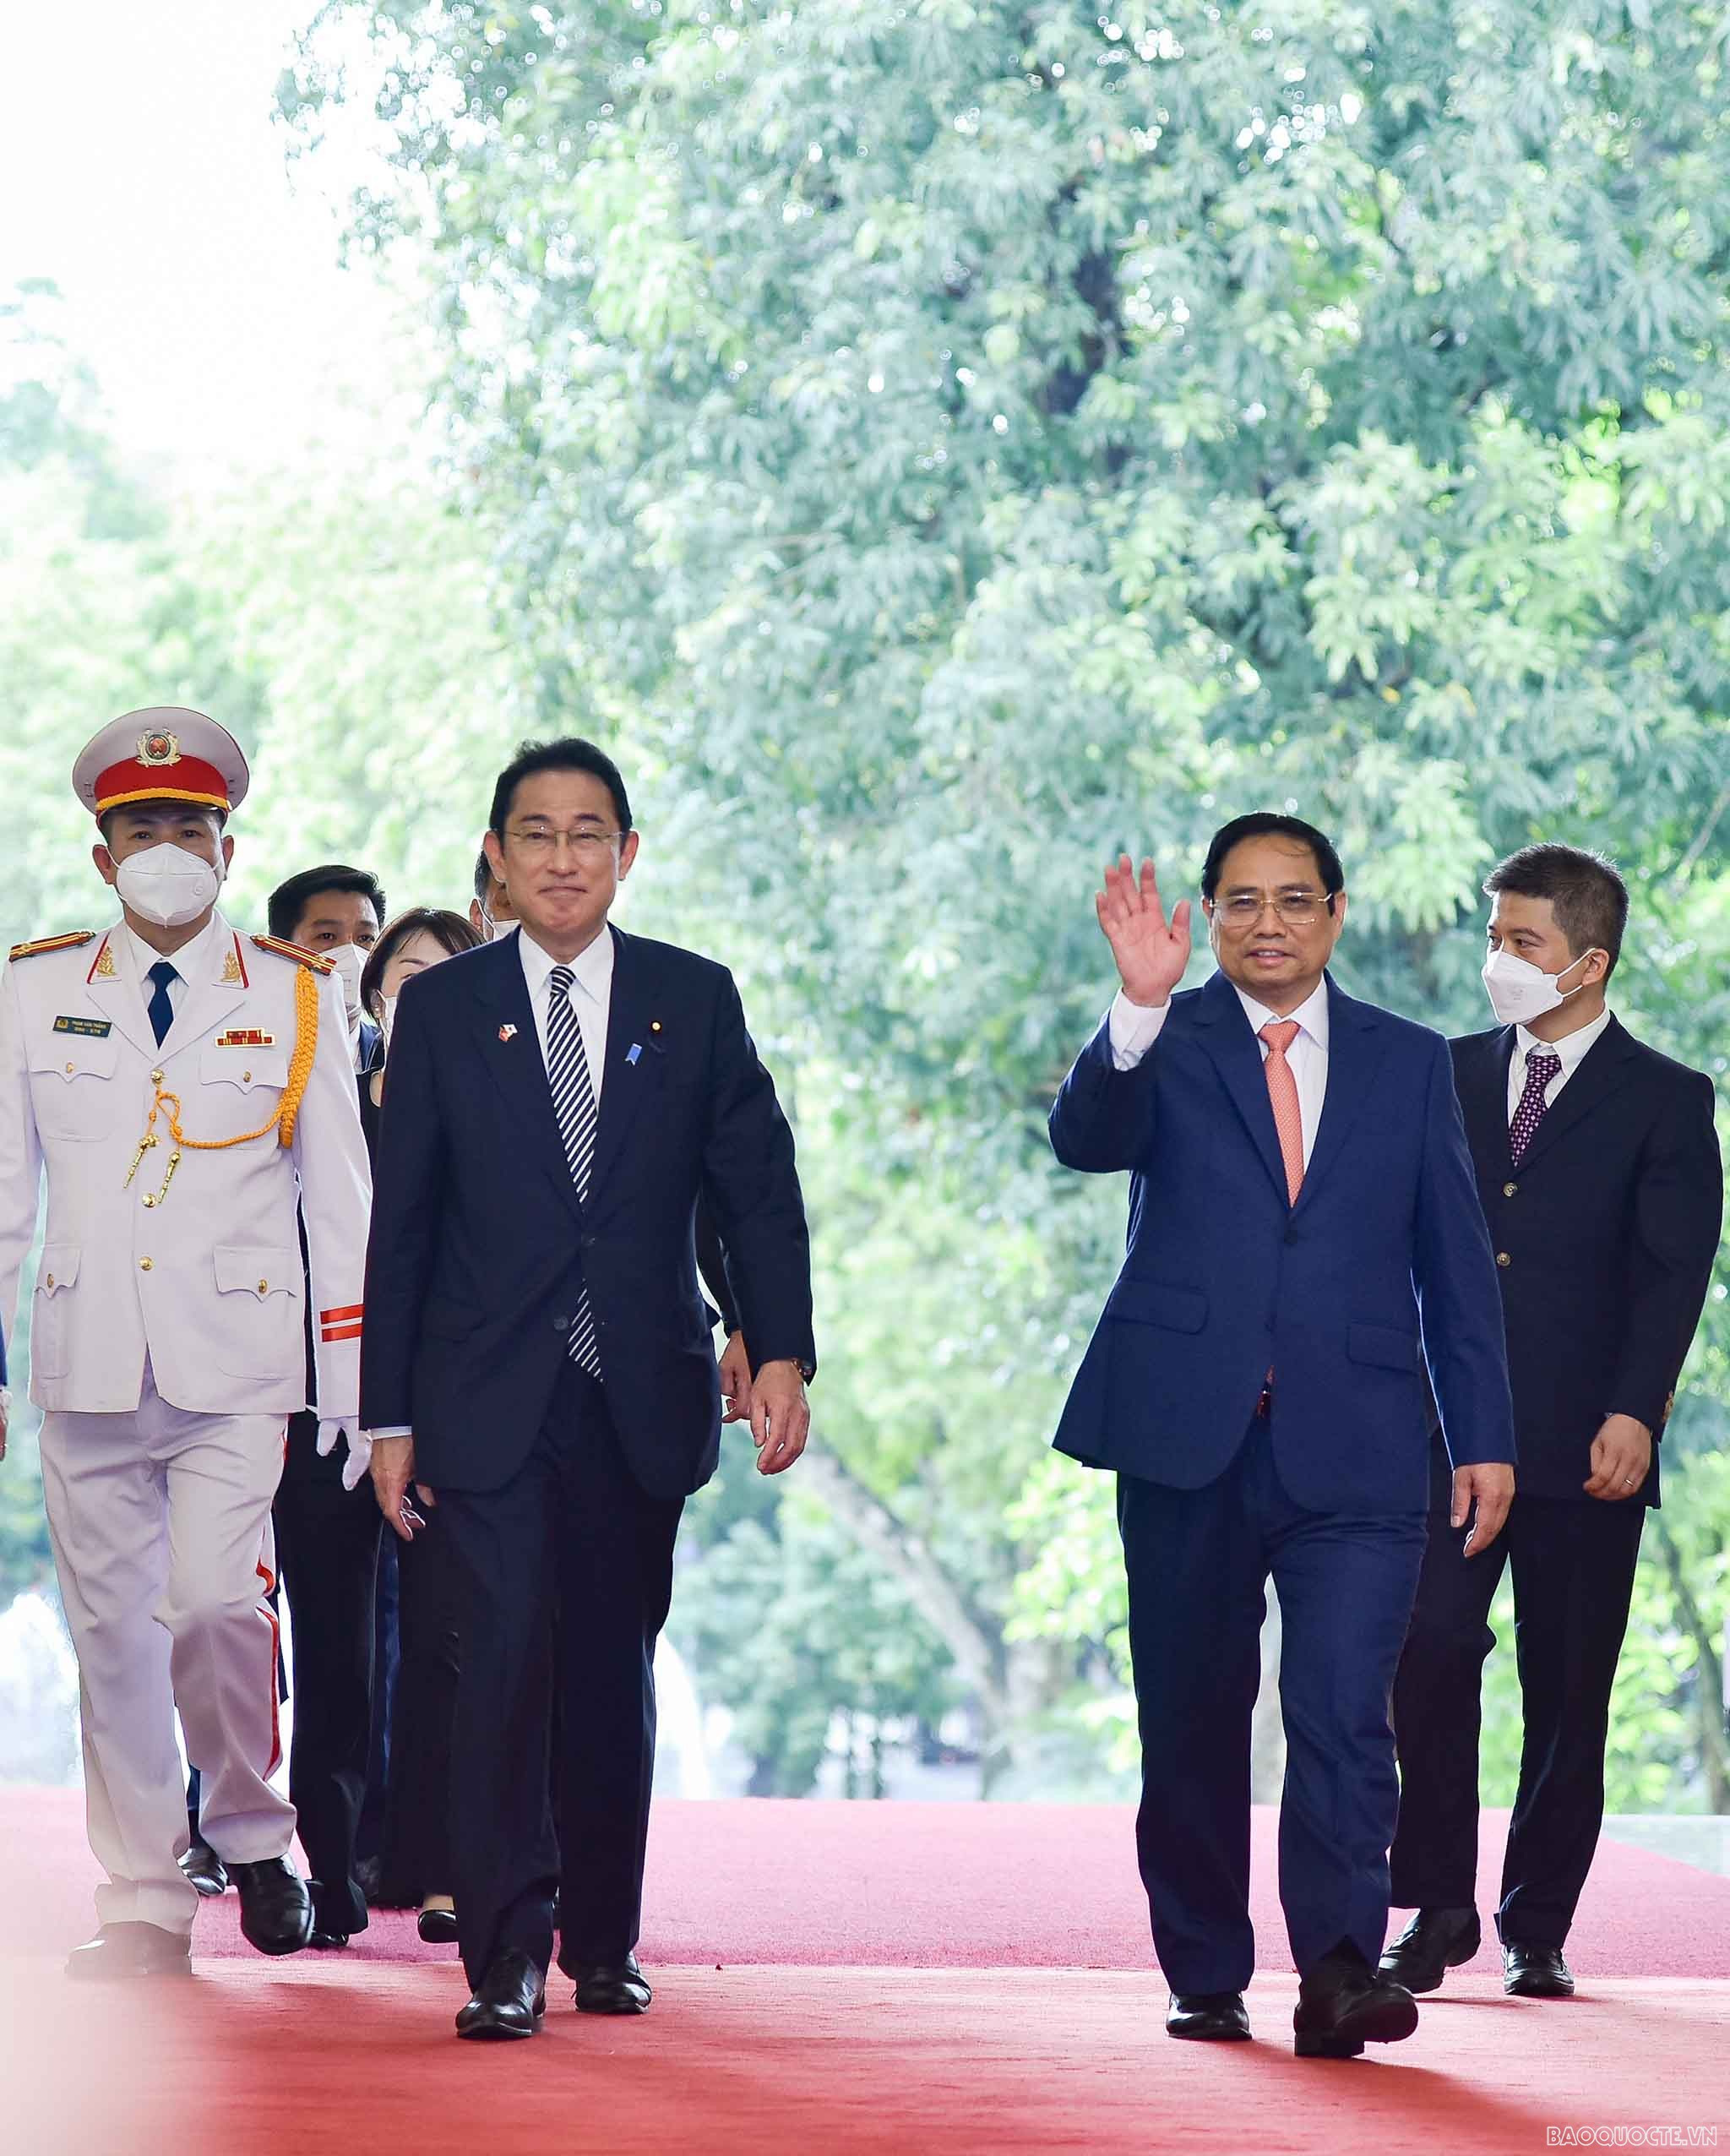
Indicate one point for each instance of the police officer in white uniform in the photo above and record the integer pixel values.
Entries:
(184, 1088)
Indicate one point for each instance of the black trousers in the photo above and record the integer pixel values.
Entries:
(572, 1541)
(1573, 1563)
(1198, 1562)
(416, 1835)
(327, 1555)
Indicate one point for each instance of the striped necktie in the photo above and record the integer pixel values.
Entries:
(574, 1103)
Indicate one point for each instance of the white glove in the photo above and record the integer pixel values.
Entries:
(359, 1451)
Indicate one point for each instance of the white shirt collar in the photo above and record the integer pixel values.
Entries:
(1571, 1047)
(190, 961)
(592, 968)
(1311, 1014)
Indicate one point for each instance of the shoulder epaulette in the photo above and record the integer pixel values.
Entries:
(68, 942)
(285, 949)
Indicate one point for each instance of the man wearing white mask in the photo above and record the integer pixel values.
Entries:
(337, 912)
(184, 1088)
(1598, 1170)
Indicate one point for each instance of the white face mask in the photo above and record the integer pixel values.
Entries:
(1519, 991)
(167, 884)
(387, 1016)
(348, 961)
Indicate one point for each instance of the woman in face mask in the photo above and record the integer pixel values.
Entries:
(416, 1858)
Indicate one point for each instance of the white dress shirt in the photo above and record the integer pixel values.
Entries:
(185, 963)
(590, 994)
(1134, 1028)
(1571, 1047)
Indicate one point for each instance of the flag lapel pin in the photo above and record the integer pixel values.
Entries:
(507, 1032)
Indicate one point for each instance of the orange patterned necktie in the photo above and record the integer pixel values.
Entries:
(1282, 1091)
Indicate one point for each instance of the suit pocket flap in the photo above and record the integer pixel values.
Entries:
(258, 1269)
(67, 1056)
(253, 1068)
(1150, 1302)
(58, 1268)
(1382, 1345)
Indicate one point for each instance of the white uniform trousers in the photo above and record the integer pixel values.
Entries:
(161, 1525)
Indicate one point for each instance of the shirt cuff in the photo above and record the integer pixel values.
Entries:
(390, 1429)
(1134, 1028)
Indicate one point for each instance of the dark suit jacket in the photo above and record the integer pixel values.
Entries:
(1609, 1226)
(1225, 1279)
(480, 1243)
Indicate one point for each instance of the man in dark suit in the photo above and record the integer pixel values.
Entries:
(1304, 1234)
(538, 1363)
(1598, 1168)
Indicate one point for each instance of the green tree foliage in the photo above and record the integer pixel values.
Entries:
(965, 439)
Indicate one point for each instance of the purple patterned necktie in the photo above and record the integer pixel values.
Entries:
(1541, 1067)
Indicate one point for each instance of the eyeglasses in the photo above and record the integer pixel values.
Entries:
(1297, 909)
(540, 844)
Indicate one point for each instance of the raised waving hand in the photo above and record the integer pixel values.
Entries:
(1151, 952)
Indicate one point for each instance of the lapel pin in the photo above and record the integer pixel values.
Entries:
(655, 1024)
(635, 1050)
(507, 1032)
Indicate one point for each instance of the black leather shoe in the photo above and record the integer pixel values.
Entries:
(438, 1927)
(1344, 2004)
(327, 1942)
(125, 1950)
(509, 2001)
(1434, 1942)
(205, 1868)
(275, 1909)
(1536, 1973)
(611, 1987)
(1209, 2017)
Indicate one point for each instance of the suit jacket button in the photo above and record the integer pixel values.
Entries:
(1503, 1258)
(144, 1264)
(561, 1324)
(1509, 1190)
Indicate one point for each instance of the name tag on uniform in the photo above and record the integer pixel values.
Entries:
(245, 1037)
(93, 1029)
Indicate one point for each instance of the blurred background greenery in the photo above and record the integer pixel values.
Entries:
(936, 445)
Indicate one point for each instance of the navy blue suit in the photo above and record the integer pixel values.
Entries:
(559, 1492)
(1383, 1263)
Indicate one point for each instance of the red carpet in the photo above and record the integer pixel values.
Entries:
(933, 1977)
(922, 1886)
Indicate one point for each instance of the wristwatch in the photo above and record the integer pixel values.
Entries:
(807, 1370)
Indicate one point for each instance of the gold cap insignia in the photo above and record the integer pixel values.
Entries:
(159, 748)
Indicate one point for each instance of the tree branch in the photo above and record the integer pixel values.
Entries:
(976, 1645)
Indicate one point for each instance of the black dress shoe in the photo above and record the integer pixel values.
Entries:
(124, 1950)
(508, 2000)
(1344, 2004)
(275, 1909)
(1536, 1973)
(205, 1868)
(327, 1942)
(1434, 1942)
(610, 1987)
(438, 1927)
(1209, 2017)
